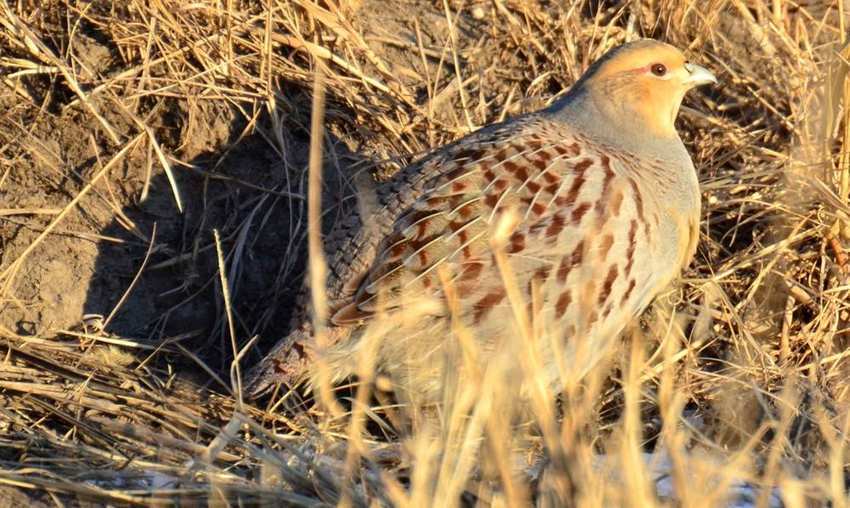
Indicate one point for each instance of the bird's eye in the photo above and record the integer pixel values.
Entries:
(659, 69)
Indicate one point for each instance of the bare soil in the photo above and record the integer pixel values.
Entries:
(113, 332)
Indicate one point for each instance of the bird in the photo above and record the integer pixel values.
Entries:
(593, 203)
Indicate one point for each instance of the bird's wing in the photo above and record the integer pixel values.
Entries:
(442, 213)
(360, 246)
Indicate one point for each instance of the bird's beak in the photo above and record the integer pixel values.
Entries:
(698, 76)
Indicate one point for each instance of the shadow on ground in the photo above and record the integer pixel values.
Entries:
(253, 196)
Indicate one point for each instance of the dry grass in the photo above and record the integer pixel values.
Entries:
(736, 376)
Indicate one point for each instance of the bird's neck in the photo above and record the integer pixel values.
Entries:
(614, 125)
(604, 119)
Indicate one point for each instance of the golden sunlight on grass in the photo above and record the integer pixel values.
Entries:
(169, 172)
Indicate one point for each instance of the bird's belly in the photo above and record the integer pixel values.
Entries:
(567, 310)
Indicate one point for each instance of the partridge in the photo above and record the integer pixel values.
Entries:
(604, 204)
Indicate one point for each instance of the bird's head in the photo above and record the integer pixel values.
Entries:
(645, 79)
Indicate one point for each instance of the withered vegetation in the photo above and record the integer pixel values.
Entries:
(153, 153)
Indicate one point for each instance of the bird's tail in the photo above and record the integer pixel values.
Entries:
(287, 364)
